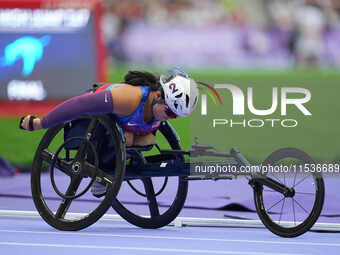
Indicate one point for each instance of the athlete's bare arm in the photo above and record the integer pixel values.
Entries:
(125, 100)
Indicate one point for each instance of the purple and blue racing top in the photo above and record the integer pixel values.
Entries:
(135, 121)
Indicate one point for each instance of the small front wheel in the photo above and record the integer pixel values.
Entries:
(294, 213)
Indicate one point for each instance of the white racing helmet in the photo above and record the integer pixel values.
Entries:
(180, 91)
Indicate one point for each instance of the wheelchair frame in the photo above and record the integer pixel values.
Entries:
(167, 163)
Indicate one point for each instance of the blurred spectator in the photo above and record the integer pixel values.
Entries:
(306, 21)
(297, 26)
(307, 39)
(118, 16)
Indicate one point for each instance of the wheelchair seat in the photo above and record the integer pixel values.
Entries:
(142, 143)
(140, 148)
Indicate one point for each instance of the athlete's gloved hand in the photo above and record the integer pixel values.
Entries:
(30, 123)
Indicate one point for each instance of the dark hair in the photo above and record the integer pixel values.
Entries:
(139, 78)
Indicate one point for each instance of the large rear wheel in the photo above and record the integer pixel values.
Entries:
(64, 169)
(146, 210)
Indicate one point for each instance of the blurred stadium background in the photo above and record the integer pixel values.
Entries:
(69, 45)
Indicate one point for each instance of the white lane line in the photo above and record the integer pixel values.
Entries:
(141, 249)
(178, 222)
(170, 238)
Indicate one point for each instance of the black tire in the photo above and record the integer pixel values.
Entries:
(157, 220)
(316, 207)
(58, 220)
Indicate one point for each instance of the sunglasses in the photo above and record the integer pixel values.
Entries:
(168, 111)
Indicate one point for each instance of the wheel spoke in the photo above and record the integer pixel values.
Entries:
(294, 179)
(47, 155)
(150, 194)
(62, 165)
(67, 155)
(80, 155)
(284, 178)
(94, 172)
(305, 193)
(65, 204)
(276, 178)
(276, 203)
(283, 204)
(294, 212)
(82, 148)
(299, 182)
(300, 205)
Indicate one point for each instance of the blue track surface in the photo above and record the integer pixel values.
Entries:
(34, 236)
(25, 235)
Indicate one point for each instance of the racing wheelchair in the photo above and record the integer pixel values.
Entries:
(74, 155)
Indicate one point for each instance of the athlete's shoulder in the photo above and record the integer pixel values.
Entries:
(127, 89)
(126, 99)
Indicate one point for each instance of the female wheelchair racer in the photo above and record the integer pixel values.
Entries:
(93, 146)
(139, 104)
